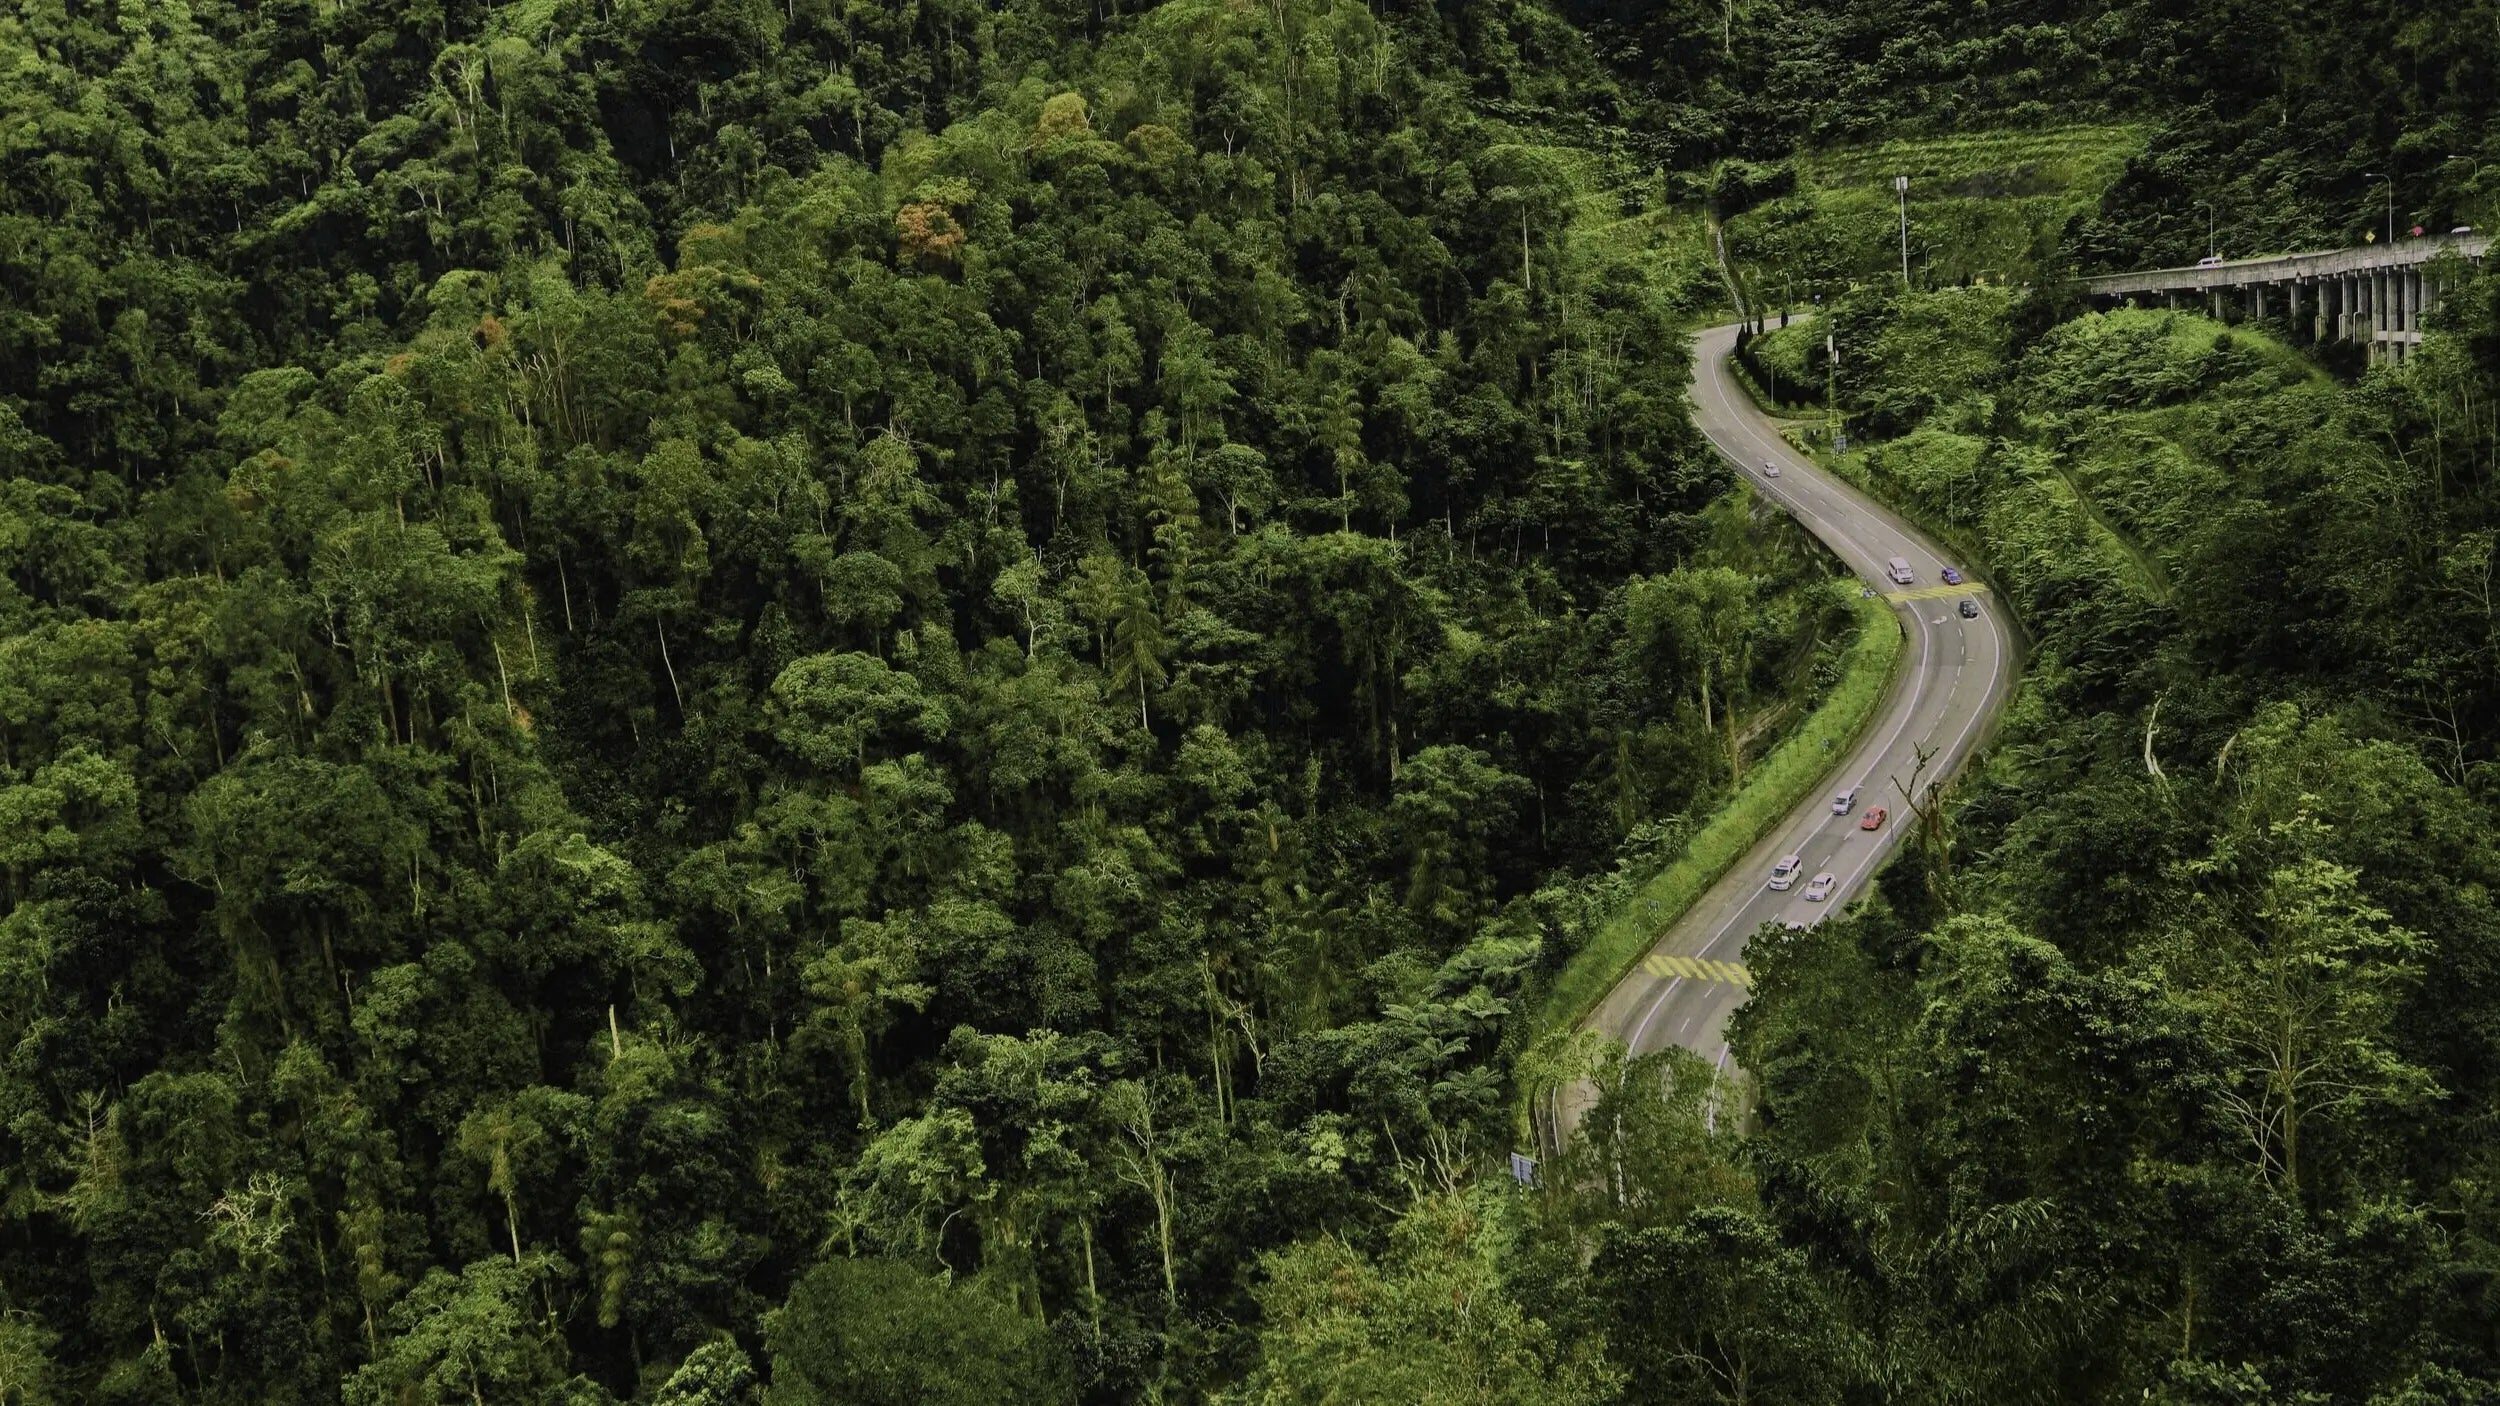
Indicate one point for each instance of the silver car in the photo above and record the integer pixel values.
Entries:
(1784, 873)
(1821, 887)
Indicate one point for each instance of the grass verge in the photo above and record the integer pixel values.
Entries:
(1795, 769)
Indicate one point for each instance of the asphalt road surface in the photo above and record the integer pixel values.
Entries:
(1954, 678)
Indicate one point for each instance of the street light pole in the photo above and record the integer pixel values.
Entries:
(2209, 229)
(1901, 188)
(1831, 387)
(2390, 178)
(2475, 184)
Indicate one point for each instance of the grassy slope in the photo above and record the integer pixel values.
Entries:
(1980, 206)
(1982, 200)
(2090, 505)
(1631, 222)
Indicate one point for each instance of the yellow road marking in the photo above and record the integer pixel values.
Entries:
(1695, 969)
(1967, 588)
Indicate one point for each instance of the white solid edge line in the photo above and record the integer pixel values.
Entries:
(1714, 375)
(1718, 380)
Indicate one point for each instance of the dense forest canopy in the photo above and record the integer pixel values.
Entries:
(707, 700)
(652, 645)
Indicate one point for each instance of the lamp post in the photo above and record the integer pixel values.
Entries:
(2475, 183)
(1901, 189)
(2390, 178)
(2209, 229)
(1831, 390)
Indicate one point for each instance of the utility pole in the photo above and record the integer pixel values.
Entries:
(1901, 188)
(2390, 178)
(2209, 229)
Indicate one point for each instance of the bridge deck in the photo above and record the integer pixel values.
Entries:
(2292, 268)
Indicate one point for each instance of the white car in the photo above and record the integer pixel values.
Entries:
(1821, 887)
(1784, 873)
(1769, 469)
(1845, 801)
(2210, 261)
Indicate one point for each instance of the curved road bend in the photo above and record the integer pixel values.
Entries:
(1955, 678)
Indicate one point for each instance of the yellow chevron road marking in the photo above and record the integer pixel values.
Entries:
(1695, 969)
(1967, 588)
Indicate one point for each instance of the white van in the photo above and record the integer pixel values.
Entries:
(1784, 873)
(1843, 802)
(1899, 570)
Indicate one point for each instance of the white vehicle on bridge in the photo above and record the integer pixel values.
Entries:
(1784, 873)
(1899, 570)
(1821, 887)
(1845, 801)
(1769, 469)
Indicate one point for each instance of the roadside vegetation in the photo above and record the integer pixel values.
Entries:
(714, 703)
(1774, 787)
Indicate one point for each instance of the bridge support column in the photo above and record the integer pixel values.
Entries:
(2213, 304)
(2399, 312)
(2402, 322)
(2296, 293)
(2381, 288)
(2416, 288)
(2257, 302)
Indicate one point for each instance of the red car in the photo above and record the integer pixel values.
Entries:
(1873, 819)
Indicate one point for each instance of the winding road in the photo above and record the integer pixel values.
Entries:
(1955, 677)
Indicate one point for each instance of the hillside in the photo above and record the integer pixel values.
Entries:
(2270, 119)
(2190, 1004)
(707, 693)
(1987, 207)
(721, 703)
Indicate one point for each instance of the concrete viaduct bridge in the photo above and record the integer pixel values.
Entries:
(2374, 294)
